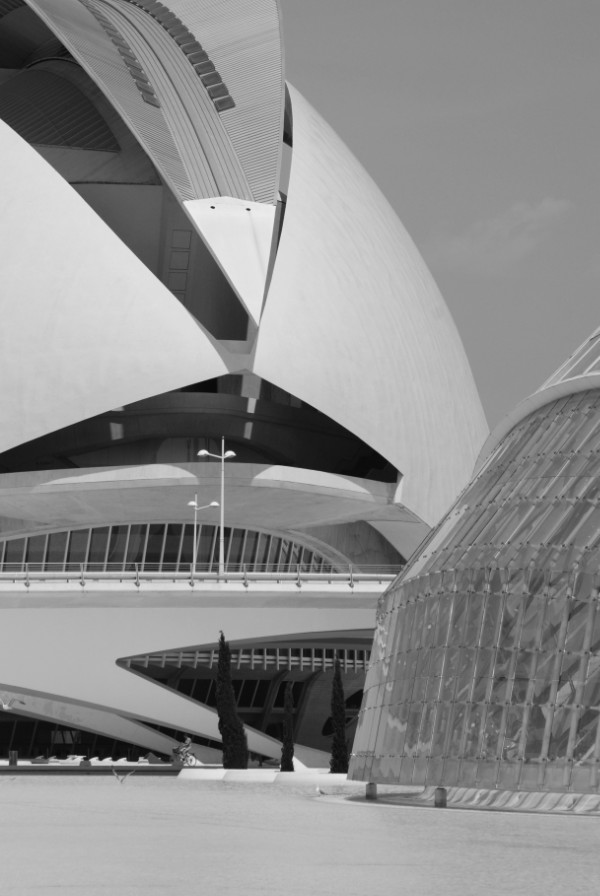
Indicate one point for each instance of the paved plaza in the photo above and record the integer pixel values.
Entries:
(90, 836)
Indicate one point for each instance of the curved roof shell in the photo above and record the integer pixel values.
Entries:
(355, 325)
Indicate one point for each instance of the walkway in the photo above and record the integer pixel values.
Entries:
(95, 836)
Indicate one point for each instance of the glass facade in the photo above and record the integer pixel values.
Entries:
(485, 667)
(158, 547)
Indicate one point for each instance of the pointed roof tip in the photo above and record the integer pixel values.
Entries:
(239, 235)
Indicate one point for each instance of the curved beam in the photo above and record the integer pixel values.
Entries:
(282, 497)
(75, 715)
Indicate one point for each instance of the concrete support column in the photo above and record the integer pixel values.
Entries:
(440, 798)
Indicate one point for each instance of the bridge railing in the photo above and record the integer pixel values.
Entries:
(31, 573)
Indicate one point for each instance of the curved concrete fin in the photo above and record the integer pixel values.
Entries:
(354, 324)
(89, 718)
(239, 236)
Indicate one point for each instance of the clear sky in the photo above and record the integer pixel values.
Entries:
(479, 120)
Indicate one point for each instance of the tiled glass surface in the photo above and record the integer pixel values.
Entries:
(157, 547)
(485, 668)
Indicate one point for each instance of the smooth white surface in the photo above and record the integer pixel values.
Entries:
(86, 327)
(238, 234)
(354, 324)
(94, 836)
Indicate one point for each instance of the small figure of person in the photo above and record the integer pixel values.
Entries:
(183, 750)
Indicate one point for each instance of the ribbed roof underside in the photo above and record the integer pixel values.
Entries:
(243, 39)
(7, 6)
(48, 110)
(50, 49)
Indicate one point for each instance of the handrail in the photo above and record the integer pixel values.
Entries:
(29, 574)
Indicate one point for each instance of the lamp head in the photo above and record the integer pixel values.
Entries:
(229, 454)
(202, 453)
(192, 504)
(214, 504)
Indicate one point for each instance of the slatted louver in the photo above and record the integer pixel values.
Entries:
(7, 6)
(46, 109)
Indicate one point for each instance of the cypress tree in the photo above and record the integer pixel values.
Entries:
(287, 746)
(338, 764)
(231, 729)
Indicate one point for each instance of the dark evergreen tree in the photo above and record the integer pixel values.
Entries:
(338, 764)
(287, 746)
(231, 729)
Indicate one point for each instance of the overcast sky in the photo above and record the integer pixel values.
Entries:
(479, 120)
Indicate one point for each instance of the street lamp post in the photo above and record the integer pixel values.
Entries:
(197, 507)
(223, 456)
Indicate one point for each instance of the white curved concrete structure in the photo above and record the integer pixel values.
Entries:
(383, 315)
(169, 285)
(288, 497)
(239, 234)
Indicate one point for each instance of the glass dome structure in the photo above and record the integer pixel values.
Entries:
(486, 661)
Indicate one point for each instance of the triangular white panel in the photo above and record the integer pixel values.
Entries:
(239, 234)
